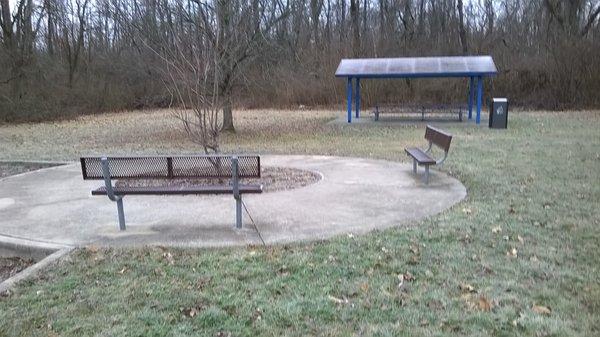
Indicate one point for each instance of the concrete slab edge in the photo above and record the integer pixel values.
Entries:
(33, 270)
(37, 250)
(56, 165)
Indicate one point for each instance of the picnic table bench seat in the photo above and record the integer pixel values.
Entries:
(421, 109)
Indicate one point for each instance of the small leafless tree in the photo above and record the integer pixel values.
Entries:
(193, 73)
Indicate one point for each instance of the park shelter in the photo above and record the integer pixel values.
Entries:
(473, 67)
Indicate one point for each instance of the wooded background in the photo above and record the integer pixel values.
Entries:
(60, 58)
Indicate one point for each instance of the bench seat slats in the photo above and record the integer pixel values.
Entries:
(179, 190)
(420, 156)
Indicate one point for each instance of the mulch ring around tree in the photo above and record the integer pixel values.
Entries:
(272, 178)
(10, 266)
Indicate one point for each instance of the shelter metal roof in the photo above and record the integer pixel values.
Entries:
(442, 66)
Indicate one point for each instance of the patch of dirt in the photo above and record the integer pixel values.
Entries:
(12, 168)
(10, 266)
(272, 178)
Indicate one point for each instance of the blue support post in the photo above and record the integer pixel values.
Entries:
(471, 80)
(479, 94)
(357, 93)
(349, 97)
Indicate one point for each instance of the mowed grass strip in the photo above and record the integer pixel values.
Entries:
(518, 257)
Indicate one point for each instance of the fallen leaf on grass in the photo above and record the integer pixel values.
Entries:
(92, 248)
(520, 239)
(257, 315)
(283, 271)
(122, 271)
(189, 312)
(467, 210)
(497, 230)
(465, 287)
(364, 287)
(400, 280)
(512, 253)
(540, 309)
(192, 311)
(169, 258)
(477, 303)
(484, 304)
(338, 300)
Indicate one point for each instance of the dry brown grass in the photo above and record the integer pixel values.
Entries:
(154, 131)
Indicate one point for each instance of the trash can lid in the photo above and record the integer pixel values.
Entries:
(500, 100)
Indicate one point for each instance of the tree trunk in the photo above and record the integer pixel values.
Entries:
(462, 33)
(6, 22)
(315, 12)
(50, 23)
(354, 17)
(228, 116)
(223, 22)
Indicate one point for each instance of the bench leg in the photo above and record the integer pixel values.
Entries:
(426, 175)
(376, 113)
(121, 214)
(238, 212)
(414, 166)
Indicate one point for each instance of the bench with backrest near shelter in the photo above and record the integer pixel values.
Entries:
(424, 158)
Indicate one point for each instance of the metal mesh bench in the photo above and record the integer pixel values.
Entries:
(423, 158)
(421, 109)
(173, 167)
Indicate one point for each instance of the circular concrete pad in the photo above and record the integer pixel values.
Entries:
(355, 195)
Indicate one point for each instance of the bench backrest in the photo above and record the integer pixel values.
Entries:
(169, 167)
(438, 137)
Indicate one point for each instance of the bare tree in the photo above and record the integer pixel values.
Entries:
(73, 24)
(194, 83)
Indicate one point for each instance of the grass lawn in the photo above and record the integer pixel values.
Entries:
(519, 256)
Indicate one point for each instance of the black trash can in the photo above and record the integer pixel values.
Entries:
(499, 113)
